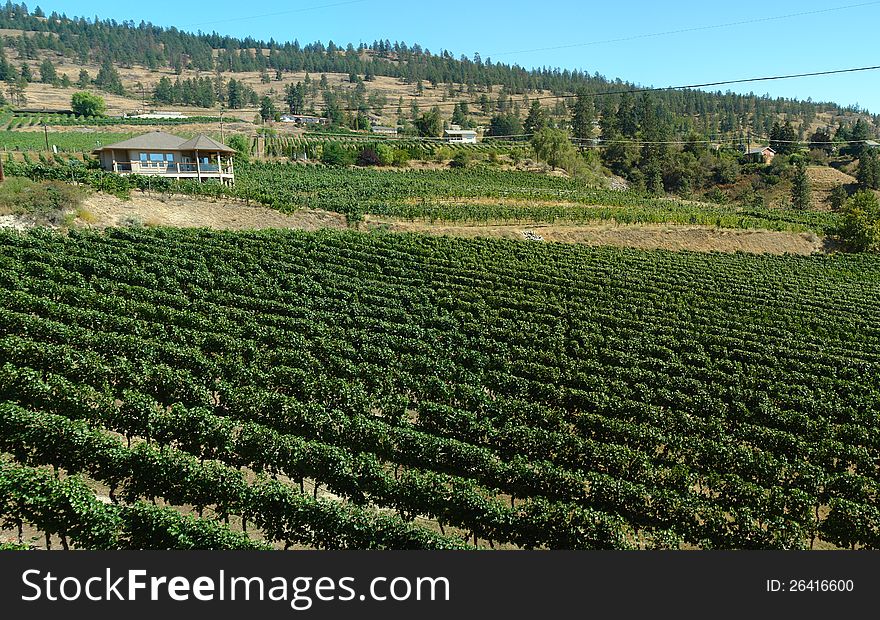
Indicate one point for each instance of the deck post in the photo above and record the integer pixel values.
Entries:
(198, 166)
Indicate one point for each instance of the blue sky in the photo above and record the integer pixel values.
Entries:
(516, 31)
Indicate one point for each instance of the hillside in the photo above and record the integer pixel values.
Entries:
(143, 54)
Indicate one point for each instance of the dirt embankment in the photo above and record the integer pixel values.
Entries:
(102, 210)
(643, 236)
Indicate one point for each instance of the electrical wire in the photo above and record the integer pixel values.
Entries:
(660, 88)
(686, 30)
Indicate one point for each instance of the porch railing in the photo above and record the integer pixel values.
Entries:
(173, 168)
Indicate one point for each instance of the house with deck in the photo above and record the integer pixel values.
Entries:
(163, 154)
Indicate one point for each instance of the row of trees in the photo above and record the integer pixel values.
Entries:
(107, 79)
(205, 92)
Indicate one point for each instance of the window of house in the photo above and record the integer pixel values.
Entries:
(143, 157)
(156, 157)
(169, 157)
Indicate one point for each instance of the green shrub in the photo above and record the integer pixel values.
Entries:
(46, 202)
(838, 197)
(241, 145)
(87, 104)
(334, 154)
(860, 229)
(400, 157)
(462, 159)
(368, 157)
(385, 153)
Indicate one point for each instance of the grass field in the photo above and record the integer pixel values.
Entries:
(391, 391)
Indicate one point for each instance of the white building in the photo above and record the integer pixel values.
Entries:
(460, 136)
(387, 131)
(303, 119)
(156, 115)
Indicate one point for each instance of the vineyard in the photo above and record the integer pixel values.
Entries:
(351, 390)
(68, 142)
(310, 146)
(17, 120)
(482, 195)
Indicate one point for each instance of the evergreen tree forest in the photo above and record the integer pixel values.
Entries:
(130, 43)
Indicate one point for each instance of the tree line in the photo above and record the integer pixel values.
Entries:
(128, 43)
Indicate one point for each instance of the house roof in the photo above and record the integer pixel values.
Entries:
(382, 128)
(203, 143)
(755, 150)
(461, 132)
(872, 143)
(155, 140)
(161, 141)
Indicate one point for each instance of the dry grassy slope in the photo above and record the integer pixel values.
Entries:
(101, 210)
(40, 95)
(43, 95)
(823, 179)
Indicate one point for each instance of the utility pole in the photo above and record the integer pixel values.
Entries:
(221, 124)
(46, 135)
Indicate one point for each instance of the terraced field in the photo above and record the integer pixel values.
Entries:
(476, 195)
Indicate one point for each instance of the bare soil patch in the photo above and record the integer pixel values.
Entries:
(103, 210)
(665, 236)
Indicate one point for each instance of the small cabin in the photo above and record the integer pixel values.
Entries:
(163, 154)
(760, 154)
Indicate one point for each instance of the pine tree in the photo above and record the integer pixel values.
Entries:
(295, 98)
(783, 138)
(536, 119)
(234, 96)
(164, 91)
(430, 124)
(800, 186)
(108, 79)
(267, 109)
(48, 75)
(627, 120)
(582, 116)
(860, 133)
(868, 173)
(7, 72)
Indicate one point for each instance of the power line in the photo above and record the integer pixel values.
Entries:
(687, 30)
(663, 88)
(300, 10)
(812, 142)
